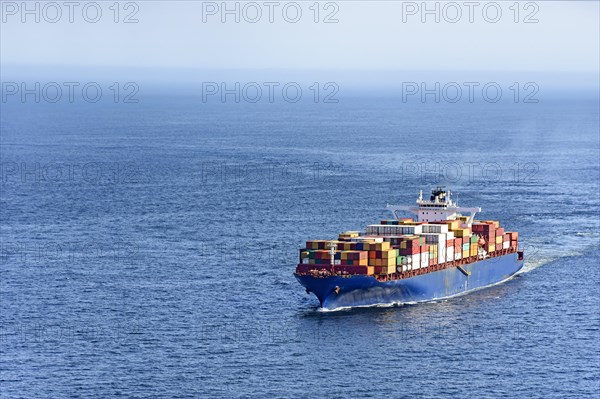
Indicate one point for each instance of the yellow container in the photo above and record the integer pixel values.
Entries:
(462, 232)
(382, 262)
(388, 262)
(492, 248)
(381, 246)
(465, 254)
(453, 224)
(385, 269)
(348, 234)
(390, 253)
(499, 240)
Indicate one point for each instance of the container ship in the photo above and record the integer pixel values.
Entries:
(439, 253)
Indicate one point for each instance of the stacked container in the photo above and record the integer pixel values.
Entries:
(487, 230)
(392, 230)
(405, 245)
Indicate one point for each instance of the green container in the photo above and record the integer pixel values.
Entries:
(474, 239)
(466, 247)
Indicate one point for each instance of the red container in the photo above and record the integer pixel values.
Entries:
(499, 231)
(482, 228)
(354, 269)
(302, 268)
(458, 242)
(384, 269)
(413, 242)
(410, 251)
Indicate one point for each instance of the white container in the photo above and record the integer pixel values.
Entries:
(506, 245)
(387, 230)
(367, 239)
(416, 261)
(434, 228)
(442, 256)
(449, 254)
(424, 261)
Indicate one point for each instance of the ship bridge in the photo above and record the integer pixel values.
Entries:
(438, 207)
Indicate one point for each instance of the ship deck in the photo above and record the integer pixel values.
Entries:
(324, 273)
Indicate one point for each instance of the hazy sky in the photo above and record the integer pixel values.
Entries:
(368, 35)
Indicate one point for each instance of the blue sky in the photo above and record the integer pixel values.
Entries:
(380, 35)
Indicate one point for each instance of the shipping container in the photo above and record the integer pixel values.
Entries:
(376, 246)
(350, 269)
(381, 230)
(434, 228)
(474, 250)
(385, 269)
(424, 259)
(450, 254)
(458, 241)
(466, 232)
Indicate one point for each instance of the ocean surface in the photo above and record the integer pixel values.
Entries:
(147, 249)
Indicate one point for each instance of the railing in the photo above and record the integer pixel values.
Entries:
(417, 272)
(442, 266)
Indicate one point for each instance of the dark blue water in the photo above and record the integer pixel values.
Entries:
(148, 249)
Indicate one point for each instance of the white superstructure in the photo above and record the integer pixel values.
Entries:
(439, 207)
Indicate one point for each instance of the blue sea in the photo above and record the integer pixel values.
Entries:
(147, 249)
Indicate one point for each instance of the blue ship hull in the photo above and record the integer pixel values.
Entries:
(367, 290)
